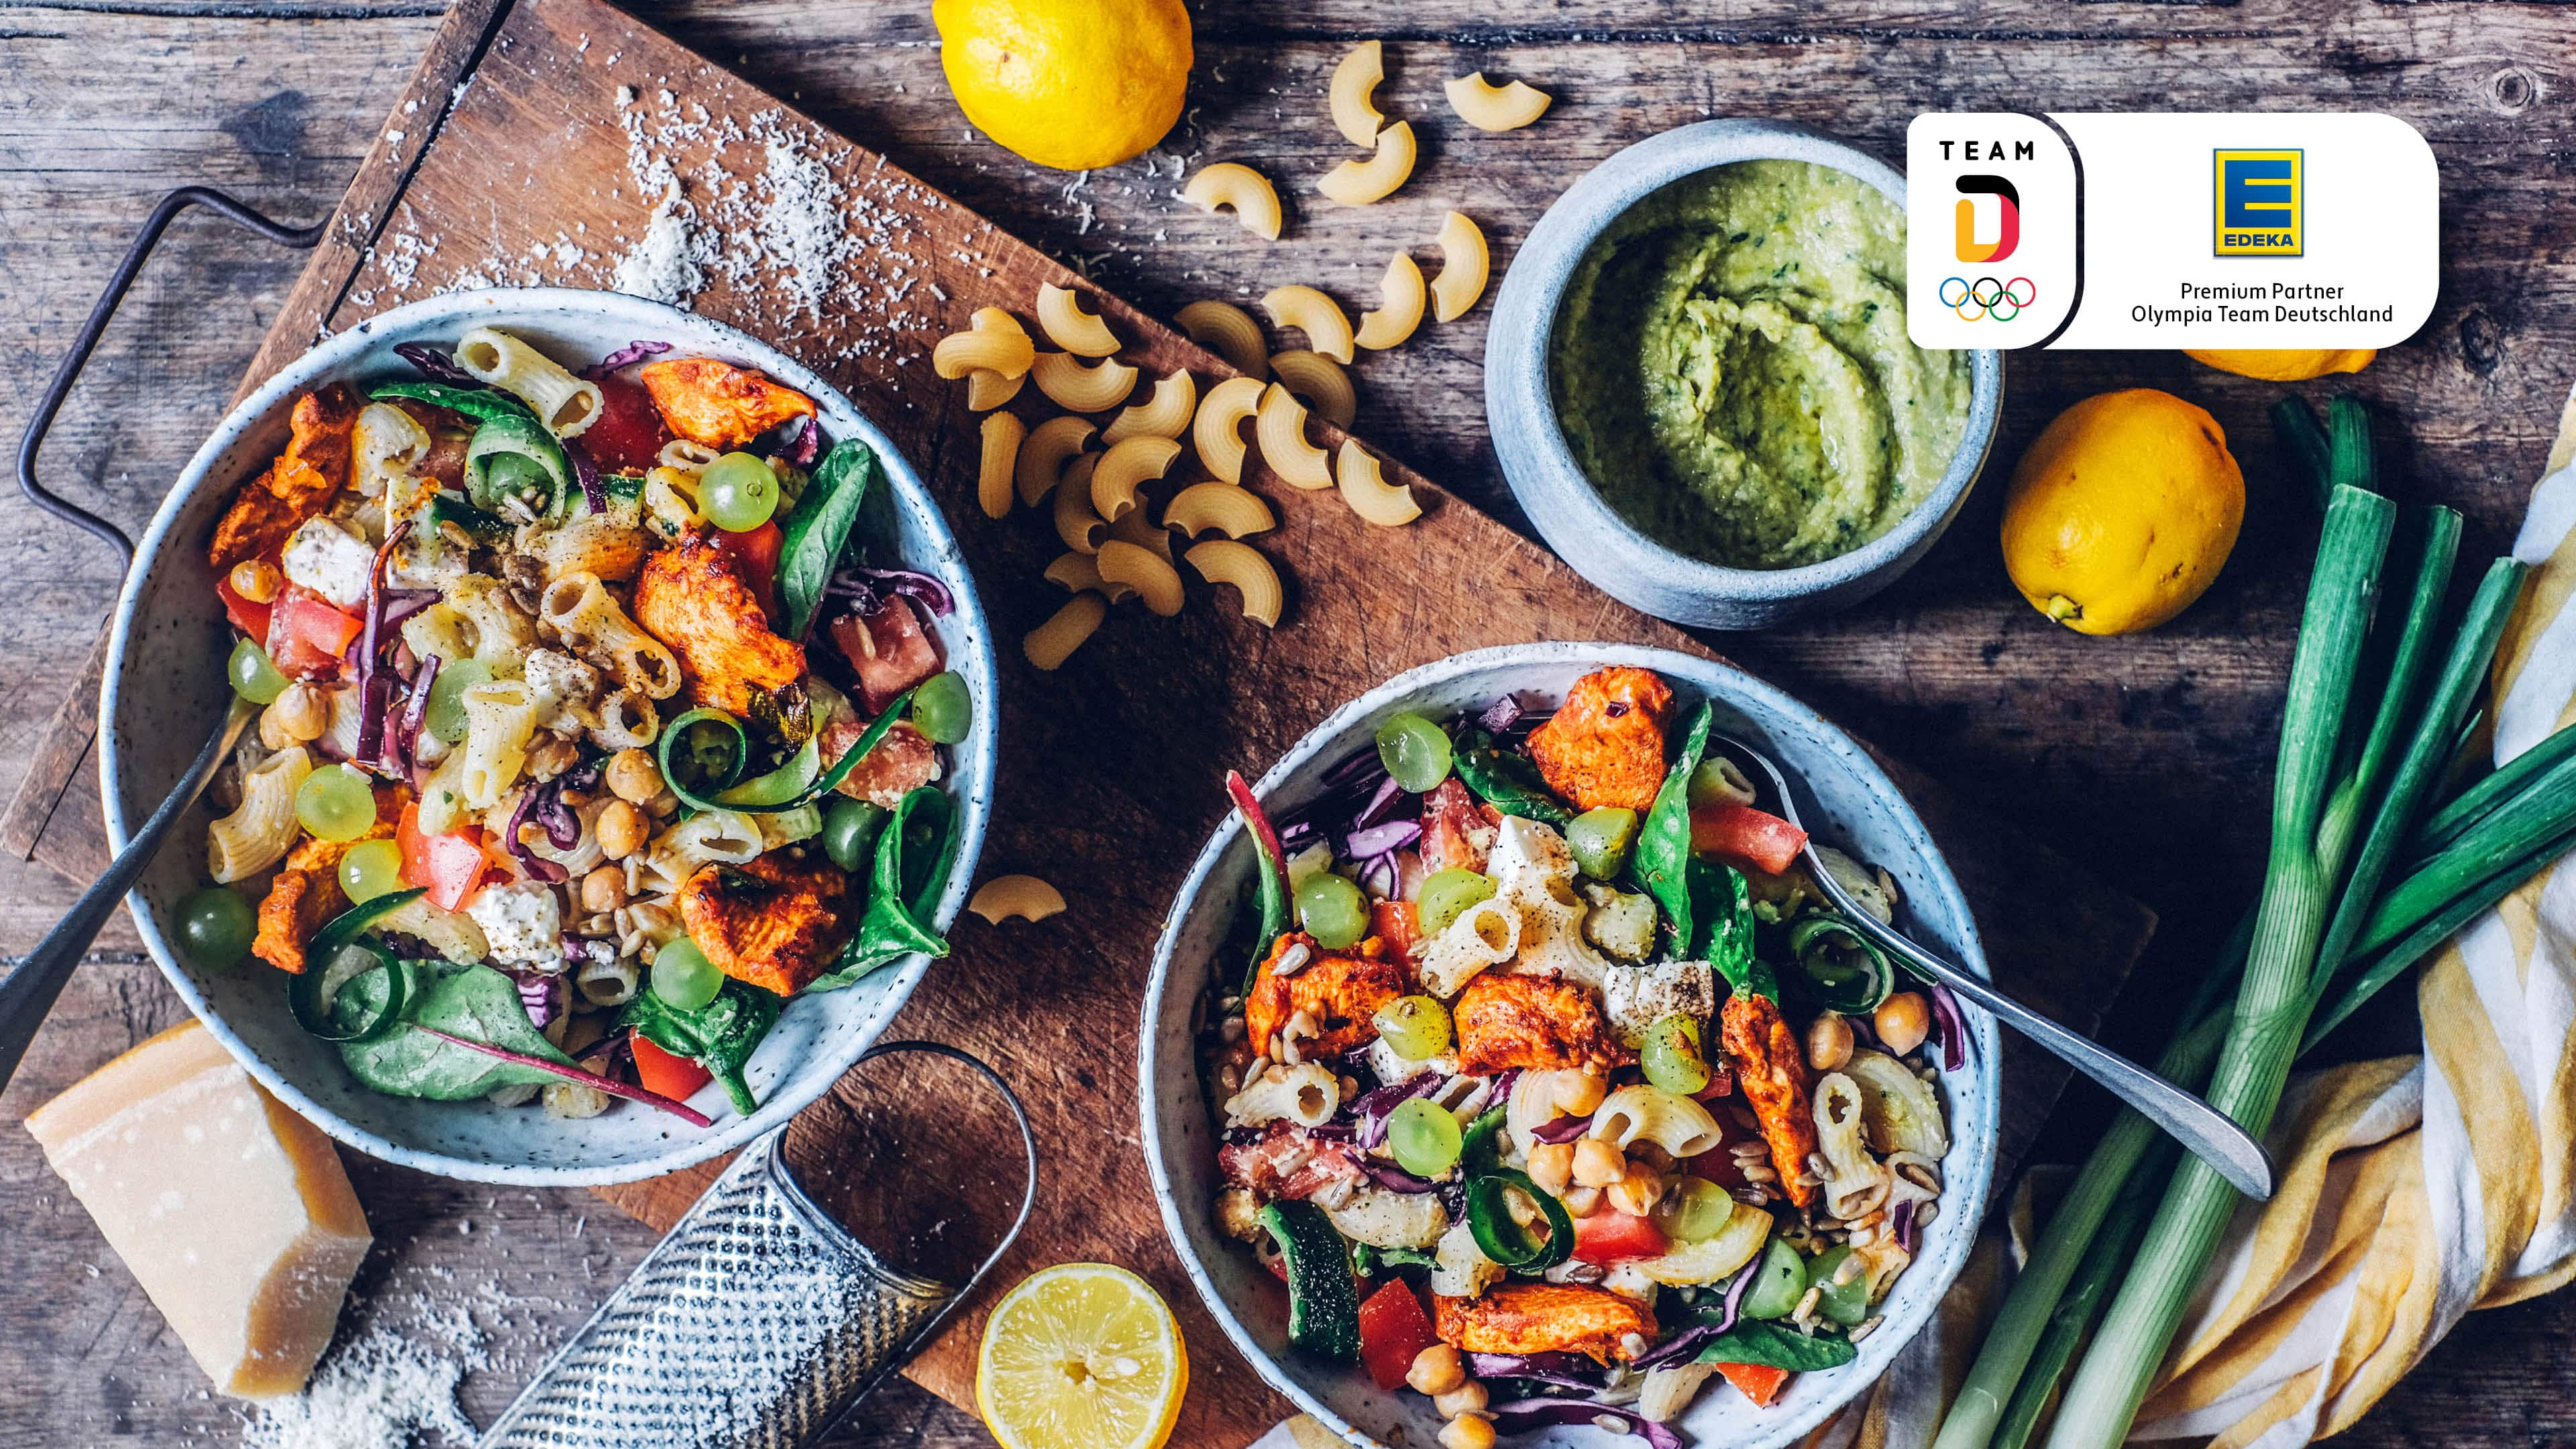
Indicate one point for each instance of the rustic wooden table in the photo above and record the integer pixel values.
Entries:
(2137, 758)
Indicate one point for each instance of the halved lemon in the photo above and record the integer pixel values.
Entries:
(1081, 1356)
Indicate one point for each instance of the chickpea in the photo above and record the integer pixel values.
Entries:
(1637, 1193)
(1467, 1431)
(1580, 1202)
(301, 714)
(256, 580)
(1436, 1370)
(1829, 1042)
(1903, 1021)
(603, 889)
(620, 829)
(632, 776)
(1551, 1166)
(1467, 1398)
(1598, 1163)
(1647, 1155)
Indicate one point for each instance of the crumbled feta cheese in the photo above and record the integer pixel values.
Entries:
(522, 920)
(1634, 998)
(331, 561)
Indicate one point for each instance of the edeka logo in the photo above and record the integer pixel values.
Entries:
(2007, 204)
(2261, 203)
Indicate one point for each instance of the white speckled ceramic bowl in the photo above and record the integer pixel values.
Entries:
(1845, 800)
(165, 690)
(1600, 542)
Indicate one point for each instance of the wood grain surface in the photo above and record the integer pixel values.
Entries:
(2137, 757)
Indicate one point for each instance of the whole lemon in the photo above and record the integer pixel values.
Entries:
(2122, 512)
(2287, 364)
(1072, 84)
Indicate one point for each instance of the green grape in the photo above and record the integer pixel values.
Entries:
(254, 675)
(942, 709)
(1332, 910)
(1845, 1302)
(1414, 750)
(371, 868)
(1671, 1055)
(335, 803)
(446, 715)
(683, 977)
(1717, 780)
(1600, 840)
(215, 929)
(738, 492)
(850, 830)
(1417, 1027)
(1424, 1137)
(1694, 1210)
(1777, 1285)
(1446, 895)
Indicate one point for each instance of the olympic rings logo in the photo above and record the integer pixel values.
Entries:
(1987, 297)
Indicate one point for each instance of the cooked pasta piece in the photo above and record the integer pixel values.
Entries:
(1062, 318)
(1118, 483)
(1355, 82)
(1281, 427)
(687, 454)
(1854, 1181)
(1153, 578)
(609, 544)
(1077, 572)
(1364, 487)
(1231, 185)
(1228, 508)
(1540, 1096)
(1402, 292)
(1485, 934)
(1002, 434)
(960, 353)
(385, 446)
(1359, 183)
(1320, 383)
(1675, 1123)
(1075, 523)
(454, 935)
(626, 720)
(262, 829)
(442, 630)
(1045, 452)
(1218, 430)
(1223, 561)
(603, 983)
(1312, 312)
(1134, 527)
(711, 837)
(1025, 896)
(1053, 642)
(671, 501)
(1489, 107)
(1076, 388)
(503, 633)
(1228, 331)
(1166, 415)
(591, 621)
(500, 719)
(1305, 1094)
(1463, 264)
(566, 404)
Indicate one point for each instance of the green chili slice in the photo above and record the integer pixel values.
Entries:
(769, 794)
(779, 786)
(1480, 1147)
(1501, 1238)
(1323, 1297)
(314, 995)
(708, 778)
(1846, 969)
(487, 476)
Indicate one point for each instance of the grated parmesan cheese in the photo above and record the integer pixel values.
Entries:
(381, 1391)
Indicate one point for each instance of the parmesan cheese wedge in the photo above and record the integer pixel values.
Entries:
(231, 1211)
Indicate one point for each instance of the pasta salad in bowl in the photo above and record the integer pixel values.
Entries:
(624, 731)
(1506, 1074)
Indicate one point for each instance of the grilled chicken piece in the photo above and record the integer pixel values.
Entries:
(692, 598)
(299, 485)
(717, 403)
(774, 922)
(1537, 1023)
(1606, 746)
(1773, 1073)
(1341, 992)
(1520, 1318)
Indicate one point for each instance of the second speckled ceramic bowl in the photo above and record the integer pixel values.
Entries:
(1570, 513)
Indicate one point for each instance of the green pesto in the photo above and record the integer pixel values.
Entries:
(1731, 369)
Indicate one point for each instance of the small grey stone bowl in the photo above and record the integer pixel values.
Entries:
(1570, 513)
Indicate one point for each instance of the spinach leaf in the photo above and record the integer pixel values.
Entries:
(719, 1036)
(914, 856)
(1755, 1340)
(1722, 909)
(1664, 842)
(480, 403)
(477, 1004)
(510, 455)
(1509, 783)
(818, 529)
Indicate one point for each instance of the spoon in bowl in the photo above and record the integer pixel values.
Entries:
(30, 991)
(2202, 1129)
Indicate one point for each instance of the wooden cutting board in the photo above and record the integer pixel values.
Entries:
(528, 150)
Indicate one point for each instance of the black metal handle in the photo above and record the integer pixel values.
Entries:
(51, 404)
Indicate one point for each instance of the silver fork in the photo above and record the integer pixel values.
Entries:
(2203, 1130)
